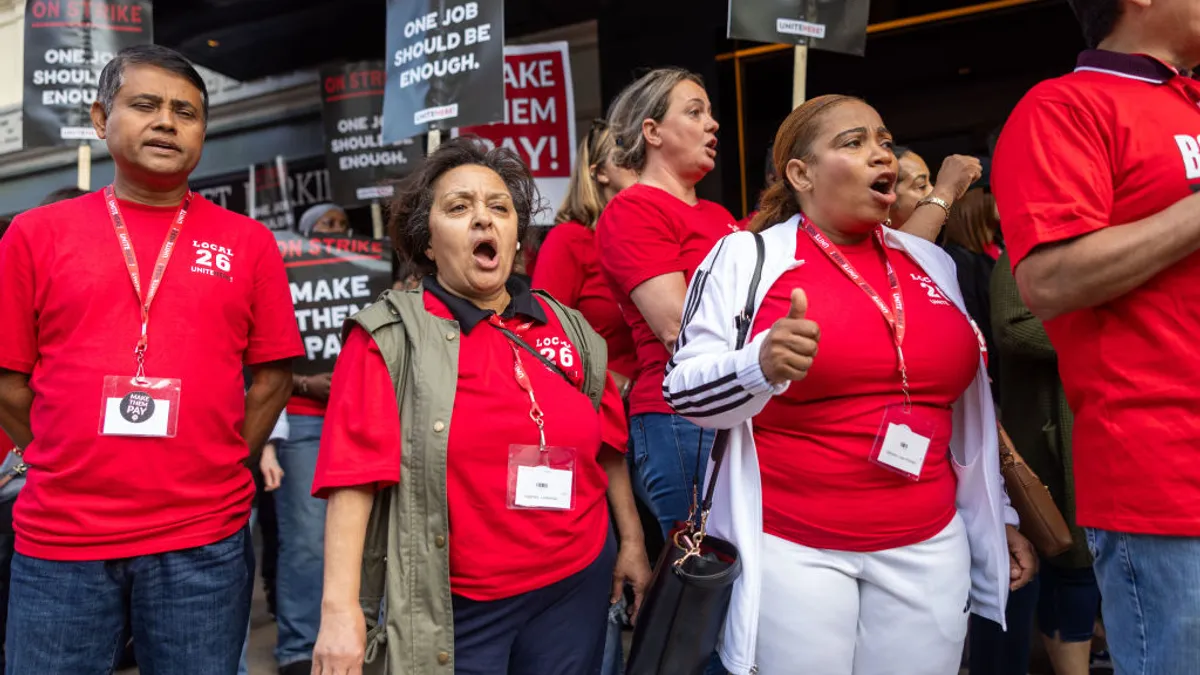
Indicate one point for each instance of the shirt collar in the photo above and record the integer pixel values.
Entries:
(468, 316)
(1134, 66)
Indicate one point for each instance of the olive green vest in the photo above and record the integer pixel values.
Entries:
(405, 592)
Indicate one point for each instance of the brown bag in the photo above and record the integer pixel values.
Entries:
(1041, 521)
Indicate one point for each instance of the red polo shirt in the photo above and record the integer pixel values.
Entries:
(495, 552)
(71, 318)
(645, 232)
(813, 441)
(1111, 143)
(569, 269)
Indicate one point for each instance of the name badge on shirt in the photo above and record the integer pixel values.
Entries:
(146, 407)
(902, 442)
(541, 477)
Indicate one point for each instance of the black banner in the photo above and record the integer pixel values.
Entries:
(360, 163)
(270, 204)
(307, 185)
(830, 25)
(331, 279)
(445, 65)
(67, 44)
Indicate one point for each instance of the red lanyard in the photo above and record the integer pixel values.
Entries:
(131, 263)
(522, 377)
(894, 315)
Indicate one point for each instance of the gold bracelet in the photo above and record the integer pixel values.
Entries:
(937, 201)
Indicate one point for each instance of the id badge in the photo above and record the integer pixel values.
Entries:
(903, 441)
(541, 478)
(145, 407)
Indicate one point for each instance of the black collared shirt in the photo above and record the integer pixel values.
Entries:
(1136, 66)
(522, 303)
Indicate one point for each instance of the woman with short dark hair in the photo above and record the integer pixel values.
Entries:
(471, 435)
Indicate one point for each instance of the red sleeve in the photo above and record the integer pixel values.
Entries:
(559, 271)
(637, 242)
(274, 334)
(614, 428)
(1051, 175)
(18, 339)
(361, 441)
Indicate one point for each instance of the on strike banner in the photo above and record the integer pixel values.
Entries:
(359, 160)
(539, 117)
(831, 25)
(268, 193)
(67, 44)
(331, 279)
(444, 67)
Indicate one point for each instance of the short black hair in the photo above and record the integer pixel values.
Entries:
(62, 194)
(408, 221)
(158, 56)
(900, 151)
(1097, 18)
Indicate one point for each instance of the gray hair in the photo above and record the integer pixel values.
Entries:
(647, 98)
(113, 75)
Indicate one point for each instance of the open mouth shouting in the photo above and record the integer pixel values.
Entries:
(711, 148)
(486, 253)
(883, 188)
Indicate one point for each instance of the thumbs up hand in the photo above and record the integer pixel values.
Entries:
(791, 344)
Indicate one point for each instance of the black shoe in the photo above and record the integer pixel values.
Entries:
(297, 668)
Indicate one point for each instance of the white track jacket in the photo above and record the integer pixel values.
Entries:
(717, 386)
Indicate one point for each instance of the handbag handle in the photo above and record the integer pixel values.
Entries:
(721, 441)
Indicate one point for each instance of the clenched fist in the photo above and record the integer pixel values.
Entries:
(791, 344)
(957, 174)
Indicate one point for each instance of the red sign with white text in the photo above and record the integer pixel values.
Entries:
(539, 115)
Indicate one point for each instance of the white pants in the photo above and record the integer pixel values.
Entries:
(903, 610)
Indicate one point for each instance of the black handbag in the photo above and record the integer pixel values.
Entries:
(688, 598)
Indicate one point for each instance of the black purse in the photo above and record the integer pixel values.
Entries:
(688, 598)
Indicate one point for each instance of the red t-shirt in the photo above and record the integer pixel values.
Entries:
(495, 552)
(72, 318)
(570, 271)
(813, 441)
(1114, 142)
(645, 232)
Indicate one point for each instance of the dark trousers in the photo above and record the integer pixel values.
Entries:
(189, 611)
(556, 630)
(995, 652)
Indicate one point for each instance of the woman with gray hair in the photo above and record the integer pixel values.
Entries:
(654, 235)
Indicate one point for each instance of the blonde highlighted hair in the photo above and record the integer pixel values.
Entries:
(585, 195)
(648, 97)
(973, 222)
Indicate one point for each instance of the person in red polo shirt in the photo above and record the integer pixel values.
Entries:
(520, 469)
(124, 385)
(1096, 175)
(651, 237)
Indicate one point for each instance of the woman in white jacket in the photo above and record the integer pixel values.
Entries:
(862, 481)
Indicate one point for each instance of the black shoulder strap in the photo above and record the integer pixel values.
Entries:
(518, 341)
(743, 322)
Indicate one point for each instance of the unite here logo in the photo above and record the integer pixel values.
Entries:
(212, 260)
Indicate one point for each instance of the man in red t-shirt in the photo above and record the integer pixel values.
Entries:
(129, 315)
(1096, 175)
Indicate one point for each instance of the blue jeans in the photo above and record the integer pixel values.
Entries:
(664, 450)
(243, 668)
(301, 542)
(995, 652)
(189, 610)
(1150, 597)
(555, 630)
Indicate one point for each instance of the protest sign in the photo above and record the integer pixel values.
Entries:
(360, 163)
(268, 193)
(67, 44)
(307, 185)
(444, 66)
(331, 279)
(539, 118)
(830, 25)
